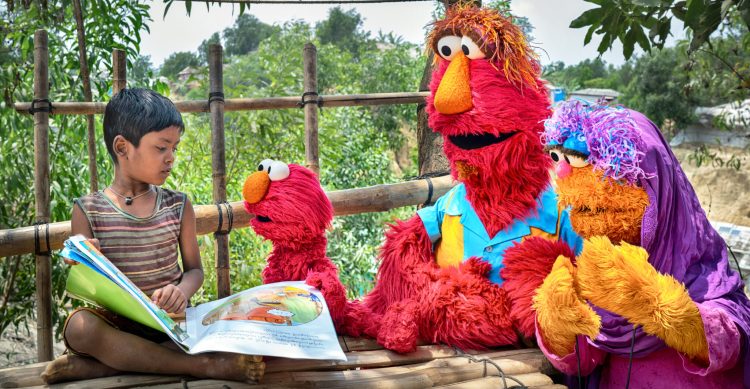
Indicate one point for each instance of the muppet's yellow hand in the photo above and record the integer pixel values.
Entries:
(561, 314)
(621, 280)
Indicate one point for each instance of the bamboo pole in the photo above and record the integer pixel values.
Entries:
(345, 202)
(218, 165)
(309, 100)
(41, 195)
(119, 71)
(93, 184)
(255, 104)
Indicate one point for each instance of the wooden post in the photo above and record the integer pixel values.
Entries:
(309, 99)
(41, 195)
(430, 155)
(86, 94)
(218, 164)
(119, 71)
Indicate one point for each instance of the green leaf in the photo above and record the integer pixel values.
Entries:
(590, 17)
(166, 9)
(628, 44)
(641, 38)
(695, 8)
(188, 6)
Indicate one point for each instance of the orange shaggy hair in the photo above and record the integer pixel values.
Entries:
(502, 41)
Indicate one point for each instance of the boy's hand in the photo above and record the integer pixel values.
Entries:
(93, 241)
(170, 298)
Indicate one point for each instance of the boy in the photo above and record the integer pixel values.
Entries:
(138, 225)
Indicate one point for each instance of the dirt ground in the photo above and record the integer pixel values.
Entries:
(18, 346)
(724, 192)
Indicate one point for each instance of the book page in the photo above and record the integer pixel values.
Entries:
(284, 319)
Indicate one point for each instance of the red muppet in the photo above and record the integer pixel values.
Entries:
(292, 211)
(445, 275)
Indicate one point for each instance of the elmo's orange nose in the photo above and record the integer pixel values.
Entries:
(454, 93)
(255, 187)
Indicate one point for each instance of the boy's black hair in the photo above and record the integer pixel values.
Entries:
(134, 112)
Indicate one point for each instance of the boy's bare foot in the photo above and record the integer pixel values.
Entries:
(235, 367)
(71, 367)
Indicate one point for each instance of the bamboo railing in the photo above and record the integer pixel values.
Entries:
(46, 236)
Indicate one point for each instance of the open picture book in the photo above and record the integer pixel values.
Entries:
(284, 319)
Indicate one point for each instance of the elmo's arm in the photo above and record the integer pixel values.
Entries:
(406, 264)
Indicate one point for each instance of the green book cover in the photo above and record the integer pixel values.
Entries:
(86, 284)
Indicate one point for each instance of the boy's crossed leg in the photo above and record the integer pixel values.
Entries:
(113, 351)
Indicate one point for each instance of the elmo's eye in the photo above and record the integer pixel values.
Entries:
(471, 49)
(448, 46)
(278, 171)
(264, 164)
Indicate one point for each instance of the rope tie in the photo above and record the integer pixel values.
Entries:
(37, 243)
(215, 96)
(230, 218)
(500, 371)
(46, 108)
(315, 99)
(430, 186)
(429, 192)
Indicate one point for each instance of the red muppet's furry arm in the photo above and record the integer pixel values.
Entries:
(525, 265)
(407, 265)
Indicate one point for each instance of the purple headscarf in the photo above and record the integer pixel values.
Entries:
(680, 242)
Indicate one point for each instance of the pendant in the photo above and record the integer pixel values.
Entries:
(128, 200)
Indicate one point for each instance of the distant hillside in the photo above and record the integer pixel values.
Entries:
(724, 192)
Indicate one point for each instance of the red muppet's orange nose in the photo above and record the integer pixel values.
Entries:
(454, 93)
(255, 187)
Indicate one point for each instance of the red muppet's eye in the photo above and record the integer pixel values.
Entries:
(471, 49)
(448, 46)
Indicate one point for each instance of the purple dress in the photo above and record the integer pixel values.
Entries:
(681, 242)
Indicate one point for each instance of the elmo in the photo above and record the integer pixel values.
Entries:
(440, 278)
(292, 211)
(652, 283)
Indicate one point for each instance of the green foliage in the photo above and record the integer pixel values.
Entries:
(703, 156)
(177, 62)
(630, 20)
(109, 24)
(245, 35)
(343, 29)
(657, 88)
(356, 144)
(203, 48)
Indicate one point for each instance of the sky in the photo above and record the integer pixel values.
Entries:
(554, 40)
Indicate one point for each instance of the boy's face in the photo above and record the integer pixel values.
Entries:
(152, 160)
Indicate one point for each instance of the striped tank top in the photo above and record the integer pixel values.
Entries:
(144, 249)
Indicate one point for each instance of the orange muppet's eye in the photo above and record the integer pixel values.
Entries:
(556, 155)
(448, 46)
(576, 160)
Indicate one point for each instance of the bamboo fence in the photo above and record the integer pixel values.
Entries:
(44, 236)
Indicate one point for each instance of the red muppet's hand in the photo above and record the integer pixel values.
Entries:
(525, 265)
(334, 293)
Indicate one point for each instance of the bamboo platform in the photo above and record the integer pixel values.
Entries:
(368, 366)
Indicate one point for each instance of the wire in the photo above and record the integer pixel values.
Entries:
(472, 358)
(630, 361)
(578, 363)
(736, 262)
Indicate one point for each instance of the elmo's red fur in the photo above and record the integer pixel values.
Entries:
(294, 215)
